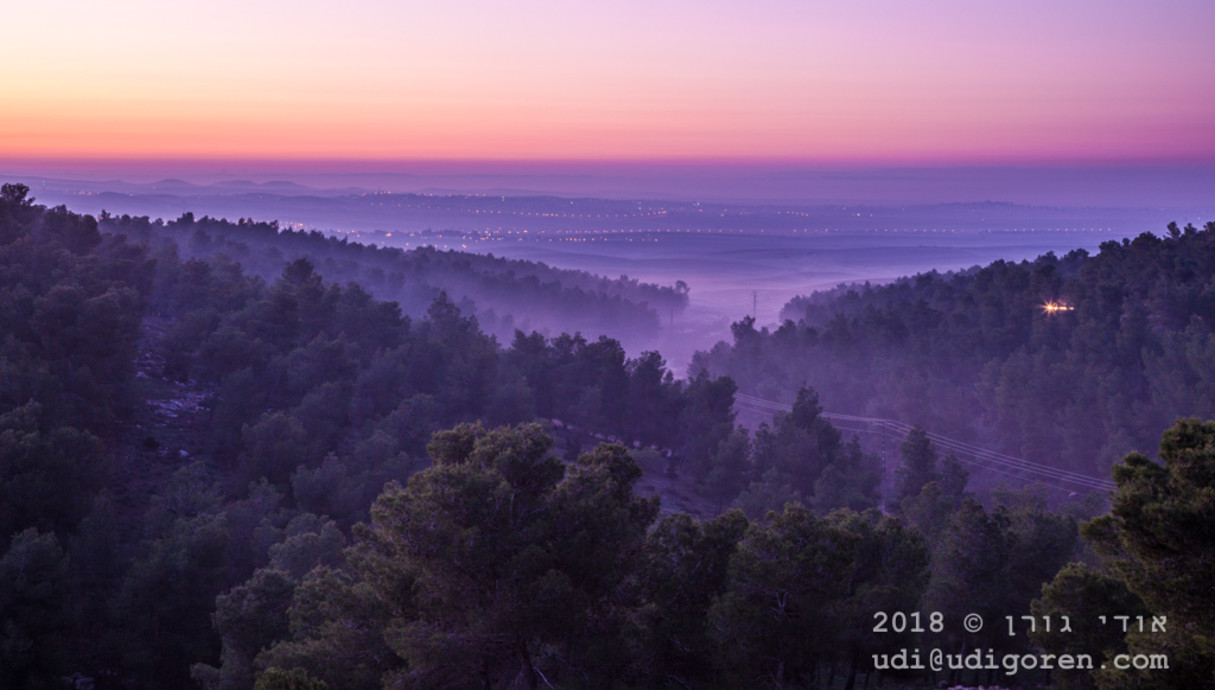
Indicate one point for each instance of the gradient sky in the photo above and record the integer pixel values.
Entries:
(924, 81)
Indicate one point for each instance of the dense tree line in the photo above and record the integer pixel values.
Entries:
(166, 421)
(1131, 352)
(214, 479)
(505, 294)
(498, 567)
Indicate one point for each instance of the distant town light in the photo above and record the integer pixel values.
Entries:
(1054, 307)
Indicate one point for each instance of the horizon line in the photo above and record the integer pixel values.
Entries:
(91, 161)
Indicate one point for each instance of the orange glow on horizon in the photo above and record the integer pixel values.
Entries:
(203, 132)
(875, 81)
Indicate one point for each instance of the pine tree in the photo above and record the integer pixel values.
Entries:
(1158, 539)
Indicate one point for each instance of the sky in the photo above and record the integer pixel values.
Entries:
(847, 81)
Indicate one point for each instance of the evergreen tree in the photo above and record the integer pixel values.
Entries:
(516, 569)
(783, 608)
(1157, 538)
(685, 566)
(919, 464)
(1072, 600)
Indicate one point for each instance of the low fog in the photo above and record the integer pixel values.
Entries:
(198, 394)
(738, 259)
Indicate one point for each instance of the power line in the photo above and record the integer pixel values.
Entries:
(993, 461)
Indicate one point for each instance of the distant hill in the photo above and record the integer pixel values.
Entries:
(977, 355)
(505, 294)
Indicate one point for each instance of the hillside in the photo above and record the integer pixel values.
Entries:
(1128, 350)
(214, 480)
(504, 294)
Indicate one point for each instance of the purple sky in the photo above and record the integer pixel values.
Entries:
(831, 81)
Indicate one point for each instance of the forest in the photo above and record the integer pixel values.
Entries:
(1127, 349)
(224, 476)
(504, 294)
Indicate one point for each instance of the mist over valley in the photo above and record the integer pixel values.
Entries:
(739, 258)
(304, 430)
(386, 345)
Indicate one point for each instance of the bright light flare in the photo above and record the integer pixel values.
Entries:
(1056, 307)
